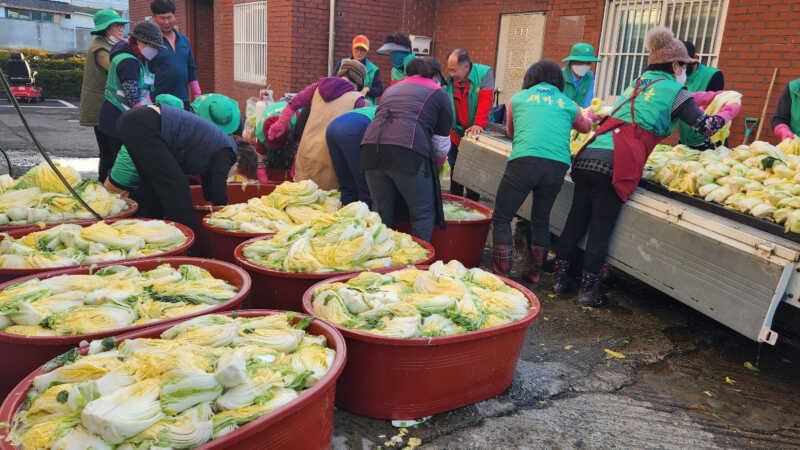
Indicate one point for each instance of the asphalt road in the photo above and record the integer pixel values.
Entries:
(55, 125)
(682, 384)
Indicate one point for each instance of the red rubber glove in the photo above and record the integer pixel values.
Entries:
(783, 132)
(703, 99)
(728, 112)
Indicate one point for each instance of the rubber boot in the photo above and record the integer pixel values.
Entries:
(589, 294)
(538, 255)
(561, 282)
(502, 258)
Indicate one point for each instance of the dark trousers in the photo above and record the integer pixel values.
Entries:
(417, 191)
(344, 136)
(595, 207)
(164, 191)
(109, 147)
(522, 176)
(456, 188)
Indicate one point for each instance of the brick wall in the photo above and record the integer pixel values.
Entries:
(139, 9)
(204, 47)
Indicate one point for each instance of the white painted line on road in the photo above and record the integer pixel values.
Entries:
(36, 106)
(67, 104)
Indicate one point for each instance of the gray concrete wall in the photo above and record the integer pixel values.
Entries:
(47, 36)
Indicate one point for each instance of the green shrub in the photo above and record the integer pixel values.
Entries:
(57, 76)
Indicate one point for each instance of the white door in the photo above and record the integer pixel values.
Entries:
(519, 46)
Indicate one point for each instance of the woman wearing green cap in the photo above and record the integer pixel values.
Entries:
(108, 30)
(578, 79)
(163, 143)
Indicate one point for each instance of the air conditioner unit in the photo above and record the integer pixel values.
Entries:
(420, 45)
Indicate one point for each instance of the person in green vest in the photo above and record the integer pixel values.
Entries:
(373, 86)
(398, 47)
(108, 30)
(471, 90)
(700, 78)
(786, 121)
(608, 168)
(128, 85)
(578, 78)
(344, 137)
(540, 119)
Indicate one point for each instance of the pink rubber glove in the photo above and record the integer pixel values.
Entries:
(280, 127)
(703, 99)
(783, 132)
(728, 112)
(194, 88)
(261, 174)
(589, 114)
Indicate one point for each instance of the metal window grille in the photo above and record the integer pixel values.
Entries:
(250, 42)
(626, 22)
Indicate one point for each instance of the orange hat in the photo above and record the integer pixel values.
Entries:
(361, 41)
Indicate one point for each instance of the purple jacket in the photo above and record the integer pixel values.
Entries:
(411, 112)
(330, 88)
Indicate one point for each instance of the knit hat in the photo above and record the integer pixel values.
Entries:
(665, 48)
(361, 41)
(148, 33)
(276, 143)
(353, 70)
(220, 110)
(104, 19)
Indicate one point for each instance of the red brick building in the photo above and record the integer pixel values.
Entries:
(746, 39)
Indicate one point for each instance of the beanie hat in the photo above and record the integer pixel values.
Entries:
(361, 41)
(279, 141)
(665, 48)
(148, 33)
(353, 70)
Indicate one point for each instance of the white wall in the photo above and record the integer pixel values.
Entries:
(46, 36)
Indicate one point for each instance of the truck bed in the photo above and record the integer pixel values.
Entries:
(734, 269)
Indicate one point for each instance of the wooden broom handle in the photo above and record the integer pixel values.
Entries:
(766, 105)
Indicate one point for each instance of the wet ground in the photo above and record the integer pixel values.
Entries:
(673, 378)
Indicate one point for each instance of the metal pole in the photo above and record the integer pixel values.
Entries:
(331, 35)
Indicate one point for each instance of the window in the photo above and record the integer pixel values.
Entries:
(250, 42)
(26, 14)
(626, 22)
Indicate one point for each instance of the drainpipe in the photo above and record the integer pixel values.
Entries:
(331, 22)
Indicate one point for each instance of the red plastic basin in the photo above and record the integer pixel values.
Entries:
(205, 242)
(462, 240)
(10, 274)
(391, 378)
(305, 423)
(133, 208)
(284, 290)
(27, 353)
(221, 244)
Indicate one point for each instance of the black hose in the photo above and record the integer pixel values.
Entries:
(8, 162)
(41, 150)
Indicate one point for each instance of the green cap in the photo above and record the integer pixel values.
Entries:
(582, 52)
(220, 110)
(105, 18)
(169, 99)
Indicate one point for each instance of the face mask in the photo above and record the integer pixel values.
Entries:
(149, 53)
(112, 39)
(681, 78)
(397, 59)
(580, 70)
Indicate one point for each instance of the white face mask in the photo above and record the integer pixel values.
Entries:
(580, 70)
(681, 78)
(149, 53)
(112, 39)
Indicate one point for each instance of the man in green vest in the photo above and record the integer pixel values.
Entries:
(471, 89)
(373, 86)
(700, 78)
(578, 78)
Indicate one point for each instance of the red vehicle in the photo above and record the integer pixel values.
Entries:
(22, 79)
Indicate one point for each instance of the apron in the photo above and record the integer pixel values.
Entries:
(632, 146)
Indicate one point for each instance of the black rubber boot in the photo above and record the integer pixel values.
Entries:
(561, 280)
(589, 294)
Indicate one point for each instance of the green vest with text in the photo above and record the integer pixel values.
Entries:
(653, 107)
(542, 117)
(584, 85)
